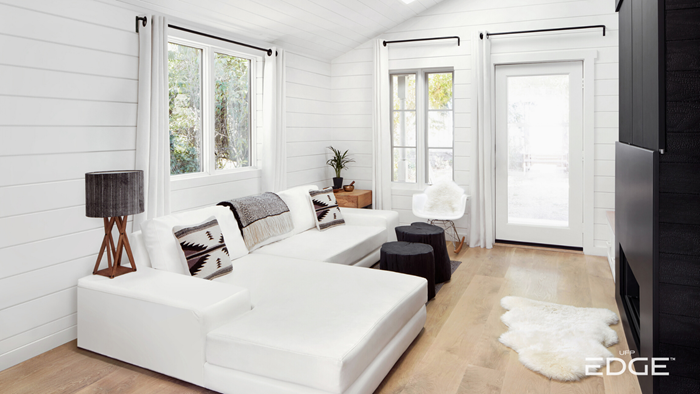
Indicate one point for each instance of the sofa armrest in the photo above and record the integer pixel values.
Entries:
(156, 319)
(372, 217)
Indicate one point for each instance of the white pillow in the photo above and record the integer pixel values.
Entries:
(297, 199)
(303, 217)
(163, 248)
(443, 197)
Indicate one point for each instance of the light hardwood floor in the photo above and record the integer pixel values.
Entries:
(457, 352)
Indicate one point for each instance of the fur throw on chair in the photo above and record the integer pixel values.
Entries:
(443, 196)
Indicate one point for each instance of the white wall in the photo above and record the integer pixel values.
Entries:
(68, 93)
(352, 76)
(309, 120)
(352, 110)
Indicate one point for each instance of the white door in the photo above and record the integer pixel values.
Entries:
(539, 153)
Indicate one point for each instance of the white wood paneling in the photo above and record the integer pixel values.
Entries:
(324, 28)
(68, 93)
(310, 120)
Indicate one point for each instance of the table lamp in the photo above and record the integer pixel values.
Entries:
(113, 196)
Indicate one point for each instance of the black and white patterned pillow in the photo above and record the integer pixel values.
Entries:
(326, 209)
(204, 249)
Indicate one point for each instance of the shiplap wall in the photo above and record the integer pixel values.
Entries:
(352, 77)
(352, 111)
(68, 92)
(309, 120)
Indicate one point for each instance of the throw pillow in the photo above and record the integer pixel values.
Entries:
(163, 248)
(204, 249)
(326, 208)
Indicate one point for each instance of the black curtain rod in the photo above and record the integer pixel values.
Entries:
(424, 39)
(543, 30)
(145, 19)
(269, 51)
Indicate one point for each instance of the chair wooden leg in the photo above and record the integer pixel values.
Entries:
(459, 247)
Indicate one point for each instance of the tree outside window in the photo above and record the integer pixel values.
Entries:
(215, 134)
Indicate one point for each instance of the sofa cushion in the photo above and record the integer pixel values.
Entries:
(164, 250)
(314, 324)
(203, 249)
(340, 245)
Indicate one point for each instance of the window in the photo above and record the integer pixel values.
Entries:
(210, 108)
(422, 127)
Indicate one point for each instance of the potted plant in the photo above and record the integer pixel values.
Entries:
(338, 162)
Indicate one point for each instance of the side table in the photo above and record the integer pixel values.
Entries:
(434, 236)
(354, 199)
(410, 258)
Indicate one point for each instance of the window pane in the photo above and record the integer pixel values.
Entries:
(440, 129)
(440, 164)
(185, 108)
(404, 165)
(404, 128)
(232, 116)
(404, 95)
(440, 91)
(538, 150)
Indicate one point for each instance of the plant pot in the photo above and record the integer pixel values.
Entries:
(337, 183)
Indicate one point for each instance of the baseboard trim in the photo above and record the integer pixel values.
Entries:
(541, 246)
(43, 345)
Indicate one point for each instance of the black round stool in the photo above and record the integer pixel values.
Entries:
(410, 258)
(434, 236)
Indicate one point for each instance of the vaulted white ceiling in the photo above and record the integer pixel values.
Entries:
(323, 28)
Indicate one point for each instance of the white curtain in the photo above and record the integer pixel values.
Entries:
(483, 151)
(152, 133)
(274, 138)
(381, 130)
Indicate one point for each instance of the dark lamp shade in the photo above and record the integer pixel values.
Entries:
(113, 193)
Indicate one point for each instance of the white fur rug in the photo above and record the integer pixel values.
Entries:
(554, 339)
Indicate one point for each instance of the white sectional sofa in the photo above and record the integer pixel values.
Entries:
(294, 316)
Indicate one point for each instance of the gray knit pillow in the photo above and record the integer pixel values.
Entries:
(204, 249)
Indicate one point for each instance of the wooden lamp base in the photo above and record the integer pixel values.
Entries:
(114, 254)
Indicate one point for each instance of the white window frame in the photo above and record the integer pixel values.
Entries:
(209, 47)
(422, 109)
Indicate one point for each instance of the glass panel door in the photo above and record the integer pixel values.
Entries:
(538, 153)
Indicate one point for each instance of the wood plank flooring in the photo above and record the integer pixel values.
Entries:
(457, 352)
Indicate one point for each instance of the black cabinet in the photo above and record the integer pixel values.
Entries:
(642, 103)
(658, 164)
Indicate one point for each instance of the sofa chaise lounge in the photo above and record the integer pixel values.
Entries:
(294, 316)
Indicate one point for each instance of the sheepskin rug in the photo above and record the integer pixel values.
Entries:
(443, 197)
(554, 339)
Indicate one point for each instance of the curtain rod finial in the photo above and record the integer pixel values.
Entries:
(384, 42)
(141, 18)
(481, 36)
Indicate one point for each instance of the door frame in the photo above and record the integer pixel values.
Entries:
(570, 235)
(587, 57)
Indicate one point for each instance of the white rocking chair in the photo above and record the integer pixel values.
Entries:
(442, 219)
